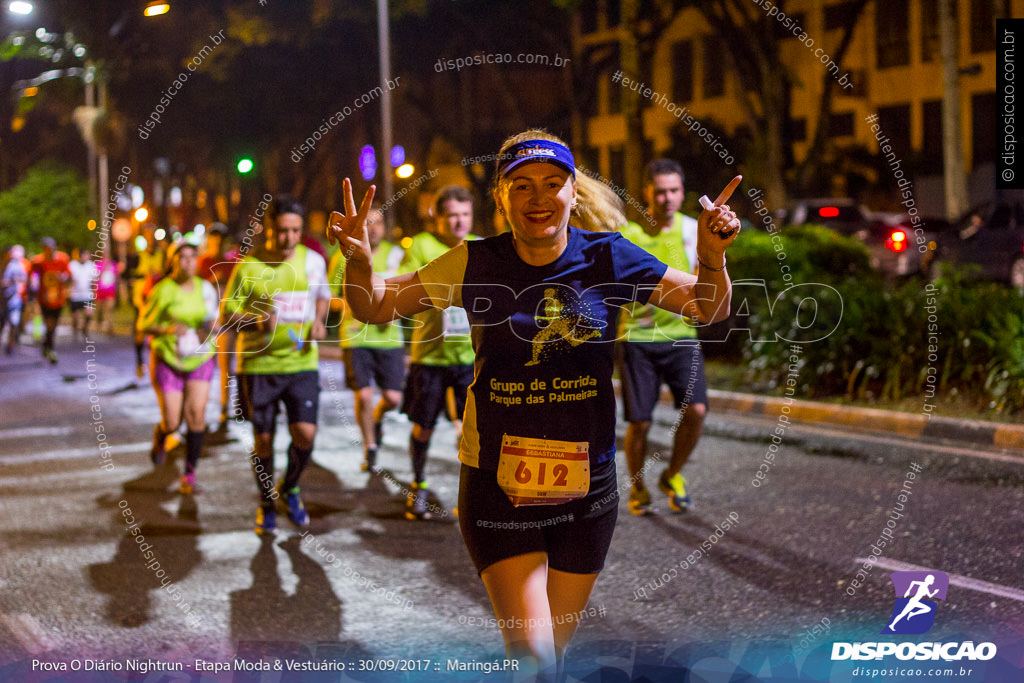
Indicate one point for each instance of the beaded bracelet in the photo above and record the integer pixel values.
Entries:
(716, 270)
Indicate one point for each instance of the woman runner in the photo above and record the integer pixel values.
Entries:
(537, 497)
(179, 314)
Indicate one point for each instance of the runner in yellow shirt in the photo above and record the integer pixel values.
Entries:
(278, 299)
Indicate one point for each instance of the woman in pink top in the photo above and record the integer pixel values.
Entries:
(106, 291)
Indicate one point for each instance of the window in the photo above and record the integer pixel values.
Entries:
(682, 72)
(931, 142)
(930, 42)
(841, 125)
(712, 77)
(614, 104)
(783, 33)
(613, 12)
(588, 18)
(983, 26)
(895, 122)
(616, 164)
(984, 140)
(892, 31)
(798, 130)
(840, 16)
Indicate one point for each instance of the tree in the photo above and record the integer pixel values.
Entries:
(766, 88)
(50, 201)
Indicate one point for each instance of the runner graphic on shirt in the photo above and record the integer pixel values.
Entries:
(573, 328)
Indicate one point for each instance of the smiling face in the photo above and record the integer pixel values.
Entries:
(537, 199)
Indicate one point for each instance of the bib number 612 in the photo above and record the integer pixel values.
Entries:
(559, 474)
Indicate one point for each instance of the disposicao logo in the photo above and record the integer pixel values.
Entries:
(914, 611)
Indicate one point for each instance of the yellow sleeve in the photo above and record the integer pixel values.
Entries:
(442, 277)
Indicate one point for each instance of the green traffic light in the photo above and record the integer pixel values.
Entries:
(244, 165)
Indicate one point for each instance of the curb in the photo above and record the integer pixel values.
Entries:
(909, 425)
(976, 433)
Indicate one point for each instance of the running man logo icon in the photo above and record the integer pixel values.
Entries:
(561, 324)
(914, 612)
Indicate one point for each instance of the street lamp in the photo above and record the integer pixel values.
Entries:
(20, 7)
(155, 9)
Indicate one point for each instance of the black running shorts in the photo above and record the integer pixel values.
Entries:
(426, 388)
(575, 535)
(299, 391)
(365, 367)
(647, 365)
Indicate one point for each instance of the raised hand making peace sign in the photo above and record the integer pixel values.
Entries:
(349, 229)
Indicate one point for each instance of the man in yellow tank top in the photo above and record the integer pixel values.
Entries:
(658, 347)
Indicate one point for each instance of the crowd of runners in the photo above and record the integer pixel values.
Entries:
(514, 339)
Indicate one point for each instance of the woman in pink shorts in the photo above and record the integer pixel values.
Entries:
(179, 315)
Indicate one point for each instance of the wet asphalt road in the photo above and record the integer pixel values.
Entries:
(365, 584)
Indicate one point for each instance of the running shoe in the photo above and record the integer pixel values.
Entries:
(266, 519)
(640, 501)
(370, 461)
(416, 506)
(188, 486)
(51, 356)
(158, 453)
(291, 505)
(675, 489)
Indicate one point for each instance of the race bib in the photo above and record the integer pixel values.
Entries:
(188, 344)
(543, 471)
(456, 322)
(291, 307)
(107, 278)
(53, 294)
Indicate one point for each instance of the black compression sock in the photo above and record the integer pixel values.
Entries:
(418, 451)
(193, 449)
(298, 458)
(263, 470)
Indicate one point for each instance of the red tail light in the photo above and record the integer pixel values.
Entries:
(897, 241)
(828, 211)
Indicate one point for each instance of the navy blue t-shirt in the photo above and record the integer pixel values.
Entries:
(543, 337)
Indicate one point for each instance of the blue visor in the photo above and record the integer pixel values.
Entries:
(530, 151)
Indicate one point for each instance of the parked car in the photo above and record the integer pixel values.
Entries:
(890, 238)
(988, 242)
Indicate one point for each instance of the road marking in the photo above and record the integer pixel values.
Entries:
(33, 431)
(73, 453)
(28, 631)
(954, 579)
(844, 434)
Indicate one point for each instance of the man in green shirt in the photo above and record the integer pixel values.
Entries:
(442, 352)
(660, 347)
(278, 298)
(371, 353)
